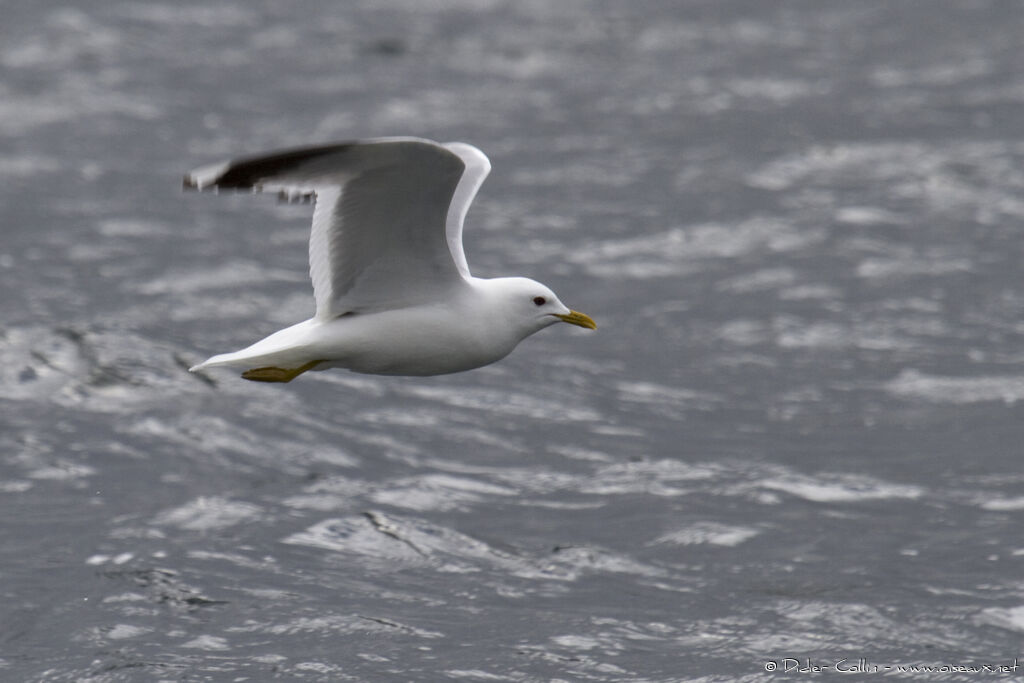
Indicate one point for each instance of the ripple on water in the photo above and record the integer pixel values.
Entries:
(337, 624)
(1010, 618)
(840, 487)
(439, 492)
(913, 384)
(661, 477)
(502, 401)
(208, 513)
(394, 542)
(1002, 504)
(208, 643)
(670, 252)
(36, 363)
(712, 533)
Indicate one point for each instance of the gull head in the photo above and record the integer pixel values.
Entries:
(528, 306)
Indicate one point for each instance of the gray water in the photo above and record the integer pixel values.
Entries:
(795, 436)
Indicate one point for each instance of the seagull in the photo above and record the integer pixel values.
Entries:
(393, 291)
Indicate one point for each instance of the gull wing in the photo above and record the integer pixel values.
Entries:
(387, 224)
(477, 167)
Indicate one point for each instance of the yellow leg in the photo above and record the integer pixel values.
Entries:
(271, 374)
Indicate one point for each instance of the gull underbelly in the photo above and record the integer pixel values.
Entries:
(419, 341)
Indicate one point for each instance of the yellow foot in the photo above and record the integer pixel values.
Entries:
(272, 374)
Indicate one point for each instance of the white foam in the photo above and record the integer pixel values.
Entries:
(206, 513)
(957, 390)
(1011, 618)
(840, 488)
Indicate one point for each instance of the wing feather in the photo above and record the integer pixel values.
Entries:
(387, 223)
(477, 168)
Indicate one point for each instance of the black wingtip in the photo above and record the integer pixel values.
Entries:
(296, 197)
(247, 173)
(252, 173)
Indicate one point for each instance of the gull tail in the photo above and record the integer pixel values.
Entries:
(217, 361)
(286, 349)
(258, 368)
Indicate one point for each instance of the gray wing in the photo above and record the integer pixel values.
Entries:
(387, 226)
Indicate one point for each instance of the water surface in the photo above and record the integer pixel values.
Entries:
(796, 433)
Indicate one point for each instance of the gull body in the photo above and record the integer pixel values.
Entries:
(392, 286)
(429, 339)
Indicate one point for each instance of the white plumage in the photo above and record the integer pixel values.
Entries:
(393, 290)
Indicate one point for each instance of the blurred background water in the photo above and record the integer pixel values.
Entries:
(796, 433)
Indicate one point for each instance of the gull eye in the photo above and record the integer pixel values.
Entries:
(539, 300)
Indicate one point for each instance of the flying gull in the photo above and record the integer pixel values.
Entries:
(394, 295)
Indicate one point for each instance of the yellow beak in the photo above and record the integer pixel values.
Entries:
(581, 319)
